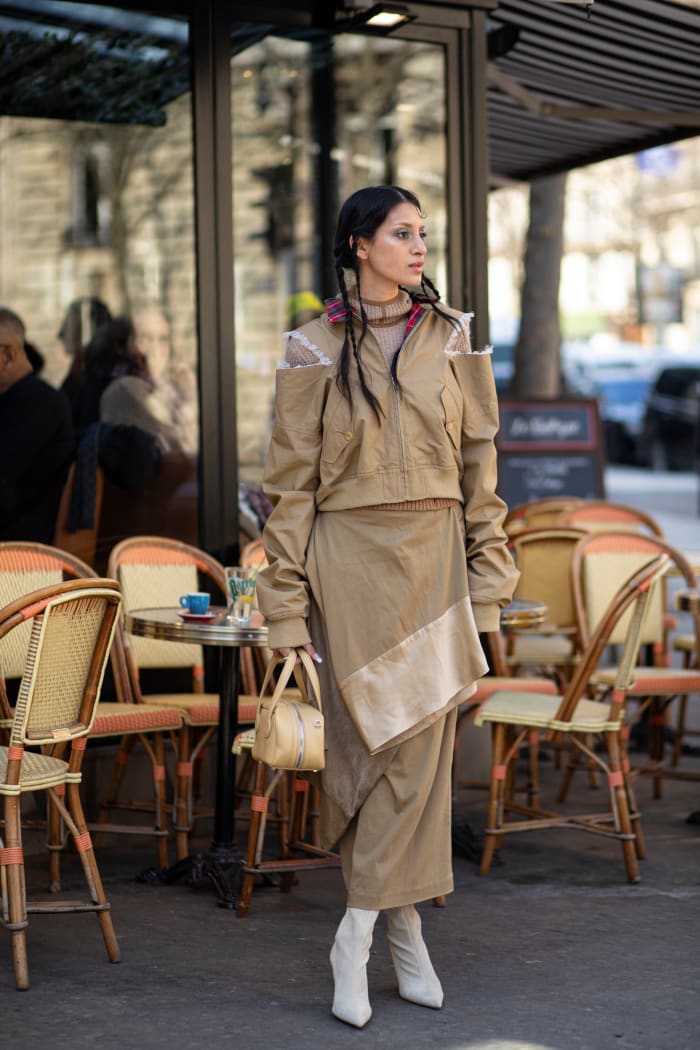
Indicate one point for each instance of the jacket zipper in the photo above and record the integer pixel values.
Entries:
(398, 413)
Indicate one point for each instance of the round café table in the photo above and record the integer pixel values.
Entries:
(222, 863)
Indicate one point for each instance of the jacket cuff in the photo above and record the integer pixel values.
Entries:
(288, 634)
(487, 616)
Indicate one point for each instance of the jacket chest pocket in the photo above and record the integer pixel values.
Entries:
(338, 431)
(452, 417)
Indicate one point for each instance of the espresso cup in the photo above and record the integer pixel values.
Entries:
(197, 602)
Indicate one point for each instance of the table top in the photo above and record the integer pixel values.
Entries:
(523, 613)
(169, 625)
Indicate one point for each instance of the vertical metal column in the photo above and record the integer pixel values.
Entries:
(326, 203)
(218, 503)
(478, 178)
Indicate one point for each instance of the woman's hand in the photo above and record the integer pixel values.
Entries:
(282, 654)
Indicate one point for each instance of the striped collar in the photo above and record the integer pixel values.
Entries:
(336, 312)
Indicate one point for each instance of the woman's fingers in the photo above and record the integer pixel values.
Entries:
(312, 653)
(282, 654)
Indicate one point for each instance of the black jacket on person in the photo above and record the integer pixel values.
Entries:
(36, 449)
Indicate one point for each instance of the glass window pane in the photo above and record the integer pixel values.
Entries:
(97, 225)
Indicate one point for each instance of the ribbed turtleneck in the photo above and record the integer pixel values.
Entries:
(387, 320)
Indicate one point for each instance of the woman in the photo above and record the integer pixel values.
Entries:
(382, 471)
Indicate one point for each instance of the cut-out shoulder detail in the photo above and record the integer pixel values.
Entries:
(460, 341)
(301, 352)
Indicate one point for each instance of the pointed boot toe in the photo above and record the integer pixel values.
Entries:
(349, 956)
(418, 982)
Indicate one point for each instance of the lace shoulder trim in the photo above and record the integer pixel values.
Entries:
(460, 340)
(300, 352)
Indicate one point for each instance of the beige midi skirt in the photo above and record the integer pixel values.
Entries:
(391, 617)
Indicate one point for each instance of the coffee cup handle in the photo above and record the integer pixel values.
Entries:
(184, 601)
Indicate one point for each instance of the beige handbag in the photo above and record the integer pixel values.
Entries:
(289, 732)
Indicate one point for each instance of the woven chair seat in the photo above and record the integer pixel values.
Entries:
(684, 643)
(202, 709)
(654, 681)
(486, 687)
(114, 719)
(541, 649)
(538, 710)
(37, 773)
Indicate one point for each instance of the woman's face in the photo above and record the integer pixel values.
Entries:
(394, 255)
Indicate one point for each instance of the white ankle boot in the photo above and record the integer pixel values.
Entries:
(418, 981)
(349, 956)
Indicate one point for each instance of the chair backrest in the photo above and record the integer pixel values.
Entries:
(24, 567)
(543, 557)
(630, 601)
(538, 513)
(600, 564)
(594, 515)
(72, 626)
(153, 571)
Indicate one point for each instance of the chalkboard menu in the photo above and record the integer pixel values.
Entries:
(549, 448)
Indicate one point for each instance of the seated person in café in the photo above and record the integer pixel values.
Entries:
(147, 400)
(111, 354)
(36, 441)
(175, 380)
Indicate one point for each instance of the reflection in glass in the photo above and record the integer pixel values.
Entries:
(97, 224)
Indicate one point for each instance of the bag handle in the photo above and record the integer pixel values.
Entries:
(289, 668)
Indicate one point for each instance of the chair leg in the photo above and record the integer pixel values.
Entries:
(161, 802)
(657, 727)
(83, 845)
(121, 760)
(14, 904)
(567, 778)
(297, 821)
(533, 787)
(55, 845)
(494, 818)
(680, 731)
(183, 794)
(258, 803)
(618, 797)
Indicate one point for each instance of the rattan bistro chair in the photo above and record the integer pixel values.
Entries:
(593, 515)
(538, 513)
(71, 627)
(155, 571)
(543, 557)
(25, 566)
(601, 560)
(573, 716)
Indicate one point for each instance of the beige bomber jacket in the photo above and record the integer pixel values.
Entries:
(436, 439)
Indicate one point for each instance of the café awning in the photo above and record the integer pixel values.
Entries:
(569, 86)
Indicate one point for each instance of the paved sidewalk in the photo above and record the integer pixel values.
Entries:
(553, 951)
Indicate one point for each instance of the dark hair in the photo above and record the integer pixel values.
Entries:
(360, 216)
(107, 353)
(83, 318)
